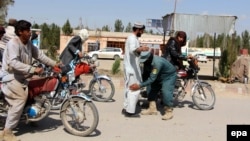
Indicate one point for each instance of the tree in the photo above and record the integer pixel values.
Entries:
(151, 31)
(35, 26)
(118, 26)
(245, 39)
(129, 27)
(44, 36)
(67, 30)
(199, 41)
(105, 28)
(3, 9)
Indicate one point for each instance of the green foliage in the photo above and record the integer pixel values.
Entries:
(106, 28)
(35, 26)
(4, 8)
(67, 30)
(223, 64)
(245, 40)
(116, 66)
(228, 56)
(52, 52)
(129, 27)
(118, 26)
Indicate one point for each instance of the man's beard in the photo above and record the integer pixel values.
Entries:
(138, 34)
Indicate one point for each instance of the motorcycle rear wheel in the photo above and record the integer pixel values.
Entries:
(80, 118)
(203, 97)
(103, 92)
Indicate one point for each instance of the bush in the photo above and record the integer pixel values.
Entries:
(116, 66)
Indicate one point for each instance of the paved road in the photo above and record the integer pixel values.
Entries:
(188, 123)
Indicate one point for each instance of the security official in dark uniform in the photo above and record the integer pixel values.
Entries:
(161, 76)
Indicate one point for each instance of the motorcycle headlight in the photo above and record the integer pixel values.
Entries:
(71, 77)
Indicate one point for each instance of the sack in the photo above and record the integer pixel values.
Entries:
(82, 68)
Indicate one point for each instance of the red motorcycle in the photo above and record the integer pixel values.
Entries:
(101, 87)
(202, 94)
(78, 113)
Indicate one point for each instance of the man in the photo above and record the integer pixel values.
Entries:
(162, 76)
(2, 32)
(132, 72)
(17, 60)
(172, 50)
(73, 50)
(10, 33)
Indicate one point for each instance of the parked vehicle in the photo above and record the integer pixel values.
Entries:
(202, 93)
(78, 113)
(101, 87)
(201, 58)
(107, 53)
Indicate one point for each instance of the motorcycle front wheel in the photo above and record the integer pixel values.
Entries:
(102, 90)
(79, 117)
(58, 99)
(203, 96)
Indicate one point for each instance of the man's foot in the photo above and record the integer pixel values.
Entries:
(131, 115)
(9, 136)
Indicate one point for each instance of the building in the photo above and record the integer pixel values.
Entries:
(102, 39)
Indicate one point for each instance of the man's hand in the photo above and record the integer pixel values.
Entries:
(134, 87)
(38, 70)
(80, 54)
(142, 48)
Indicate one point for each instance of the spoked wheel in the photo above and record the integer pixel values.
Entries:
(204, 97)
(79, 117)
(58, 99)
(102, 90)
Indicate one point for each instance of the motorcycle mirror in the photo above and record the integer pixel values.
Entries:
(93, 59)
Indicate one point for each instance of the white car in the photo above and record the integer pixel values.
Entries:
(107, 53)
(201, 58)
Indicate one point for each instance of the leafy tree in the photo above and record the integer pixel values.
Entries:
(44, 36)
(228, 56)
(199, 42)
(3, 9)
(35, 25)
(118, 26)
(245, 39)
(54, 35)
(129, 27)
(151, 31)
(50, 39)
(105, 28)
(67, 30)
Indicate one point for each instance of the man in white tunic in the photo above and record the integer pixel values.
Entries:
(132, 72)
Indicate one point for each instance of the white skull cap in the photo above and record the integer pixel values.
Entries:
(84, 34)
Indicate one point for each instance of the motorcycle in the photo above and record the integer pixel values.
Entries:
(101, 87)
(202, 94)
(78, 113)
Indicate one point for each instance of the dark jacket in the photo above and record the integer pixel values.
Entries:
(159, 70)
(172, 52)
(69, 53)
